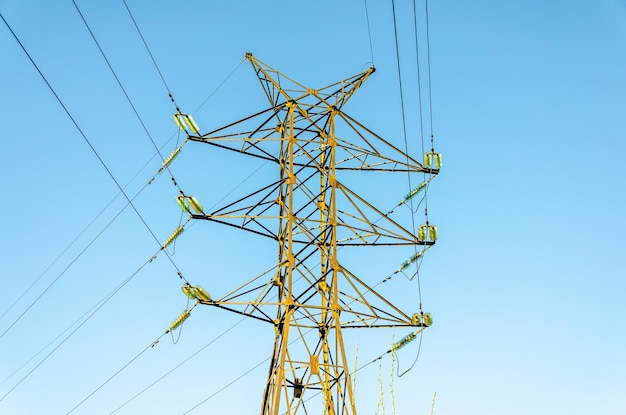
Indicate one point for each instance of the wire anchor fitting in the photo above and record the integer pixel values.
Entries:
(404, 341)
(176, 323)
(172, 237)
(170, 158)
(414, 192)
(412, 259)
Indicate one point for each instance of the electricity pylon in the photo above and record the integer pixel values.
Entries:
(309, 296)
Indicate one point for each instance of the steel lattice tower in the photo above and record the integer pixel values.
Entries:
(308, 296)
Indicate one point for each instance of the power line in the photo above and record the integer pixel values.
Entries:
(220, 85)
(83, 135)
(119, 371)
(150, 346)
(421, 126)
(226, 386)
(130, 102)
(100, 304)
(430, 105)
(406, 145)
(120, 188)
(369, 31)
(80, 254)
(76, 238)
(419, 77)
(106, 206)
(179, 365)
(104, 165)
(148, 49)
(100, 233)
(62, 273)
(169, 92)
(78, 320)
(430, 96)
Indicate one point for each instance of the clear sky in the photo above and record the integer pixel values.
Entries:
(526, 284)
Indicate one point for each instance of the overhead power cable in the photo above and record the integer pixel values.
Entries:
(430, 105)
(88, 142)
(94, 239)
(80, 254)
(82, 251)
(51, 342)
(130, 102)
(419, 77)
(226, 386)
(113, 178)
(430, 89)
(148, 49)
(369, 32)
(219, 86)
(90, 313)
(179, 365)
(406, 144)
(154, 343)
(83, 135)
(76, 238)
(97, 308)
(421, 127)
(169, 92)
(118, 214)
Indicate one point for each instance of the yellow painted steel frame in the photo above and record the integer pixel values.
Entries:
(309, 366)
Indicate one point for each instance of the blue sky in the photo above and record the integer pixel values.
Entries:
(525, 284)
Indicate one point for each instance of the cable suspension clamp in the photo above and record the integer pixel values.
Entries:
(185, 121)
(431, 158)
(188, 203)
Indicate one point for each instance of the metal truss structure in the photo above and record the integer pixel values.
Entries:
(308, 296)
